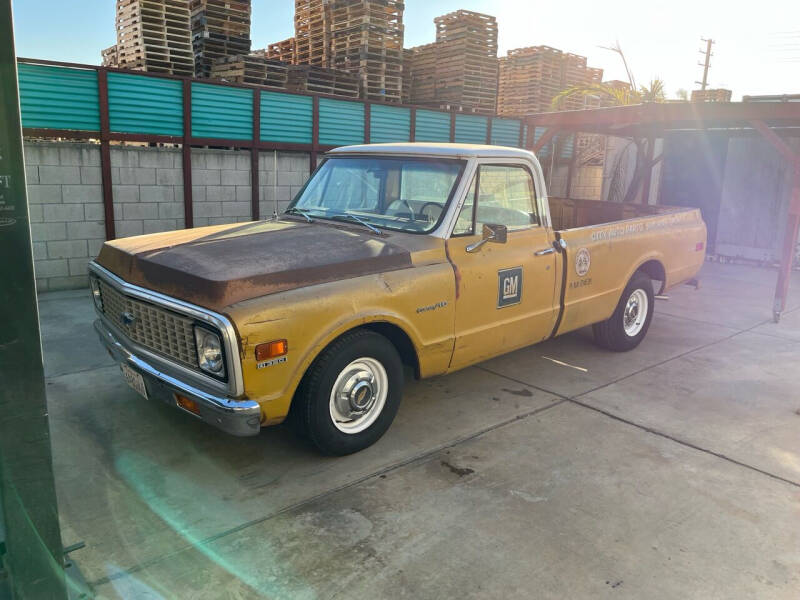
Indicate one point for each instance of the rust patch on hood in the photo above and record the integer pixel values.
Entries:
(215, 267)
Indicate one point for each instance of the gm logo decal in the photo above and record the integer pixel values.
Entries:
(509, 287)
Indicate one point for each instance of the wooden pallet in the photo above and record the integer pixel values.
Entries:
(154, 35)
(460, 68)
(321, 80)
(220, 28)
(366, 38)
(251, 69)
(312, 32)
(285, 50)
(531, 77)
(110, 56)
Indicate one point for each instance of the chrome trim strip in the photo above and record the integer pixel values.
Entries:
(235, 384)
(237, 417)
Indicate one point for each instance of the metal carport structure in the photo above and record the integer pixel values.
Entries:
(771, 120)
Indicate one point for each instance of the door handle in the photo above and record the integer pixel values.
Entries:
(549, 250)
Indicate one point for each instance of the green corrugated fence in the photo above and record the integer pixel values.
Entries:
(67, 98)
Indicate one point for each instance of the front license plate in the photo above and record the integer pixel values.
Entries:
(134, 379)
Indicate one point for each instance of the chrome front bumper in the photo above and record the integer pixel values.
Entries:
(237, 417)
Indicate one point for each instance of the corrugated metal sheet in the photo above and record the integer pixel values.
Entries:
(148, 105)
(538, 132)
(505, 132)
(471, 129)
(286, 118)
(389, 124)
(432, 126)
(567, 144)
(58, 97)
(222, 112)
(341, 123)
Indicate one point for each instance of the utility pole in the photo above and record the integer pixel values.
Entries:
(707, 64)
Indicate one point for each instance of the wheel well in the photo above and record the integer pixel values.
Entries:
(655, 270)
(400, 340)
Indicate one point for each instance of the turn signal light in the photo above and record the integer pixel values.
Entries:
(271, 349)
(187, 404)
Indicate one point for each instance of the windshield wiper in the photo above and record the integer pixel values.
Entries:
(298, 211)
(358, 219)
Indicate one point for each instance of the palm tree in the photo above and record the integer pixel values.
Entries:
(609, 95)
(613, 95)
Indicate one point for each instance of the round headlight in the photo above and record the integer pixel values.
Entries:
(209, 351)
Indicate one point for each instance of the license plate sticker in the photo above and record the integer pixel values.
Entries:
(134, 379)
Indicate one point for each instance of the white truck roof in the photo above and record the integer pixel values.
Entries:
(437, 149)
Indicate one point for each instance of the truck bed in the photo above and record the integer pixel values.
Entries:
(571, 214)
(607, 242)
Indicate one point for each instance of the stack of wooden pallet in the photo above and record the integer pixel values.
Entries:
(466, 65)
(312, 32)
(366, 38)
(109, 56)
(530, 78)
(220, 28)
(285, 51)
(154, 35)
(251, 69)
(459, 69)
(321, 80)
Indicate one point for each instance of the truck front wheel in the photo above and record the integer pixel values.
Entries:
(351, 393)
(629, 324)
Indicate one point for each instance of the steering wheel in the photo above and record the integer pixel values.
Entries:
(406, 202)
(431, 218)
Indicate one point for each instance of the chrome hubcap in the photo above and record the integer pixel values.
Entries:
(635, 313)
(358, 395)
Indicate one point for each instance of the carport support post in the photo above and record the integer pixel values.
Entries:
(792, 218)
(35, 555)
(789, 246)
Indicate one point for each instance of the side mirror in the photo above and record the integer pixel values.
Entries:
(497, 234)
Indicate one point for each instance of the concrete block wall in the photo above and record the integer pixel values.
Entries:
(221, 186)
(66, 211)
(66, 197)
(293, 170)
(147, 186)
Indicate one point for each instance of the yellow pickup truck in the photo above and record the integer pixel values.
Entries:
(426, 256)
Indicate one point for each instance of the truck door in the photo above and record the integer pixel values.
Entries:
(506, 291)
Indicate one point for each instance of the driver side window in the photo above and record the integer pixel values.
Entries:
(499, 195)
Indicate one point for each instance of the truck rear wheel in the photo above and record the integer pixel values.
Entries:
(351, 393)
(629, 324)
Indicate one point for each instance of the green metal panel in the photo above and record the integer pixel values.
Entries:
(432, 126)
(286, 118)
(471, 129)
(341, 123)
(222, 112)
(147, 105)
(505, 132)
(58, 97)
(389, 124)
(567, 146)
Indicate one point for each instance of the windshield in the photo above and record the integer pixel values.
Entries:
(406, 194)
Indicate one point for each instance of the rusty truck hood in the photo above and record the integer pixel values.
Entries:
(217, 266)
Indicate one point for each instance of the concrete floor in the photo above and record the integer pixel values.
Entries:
(672, 471)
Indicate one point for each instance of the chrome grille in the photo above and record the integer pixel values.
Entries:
(155, 328)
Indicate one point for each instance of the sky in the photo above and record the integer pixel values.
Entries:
(755, 51)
